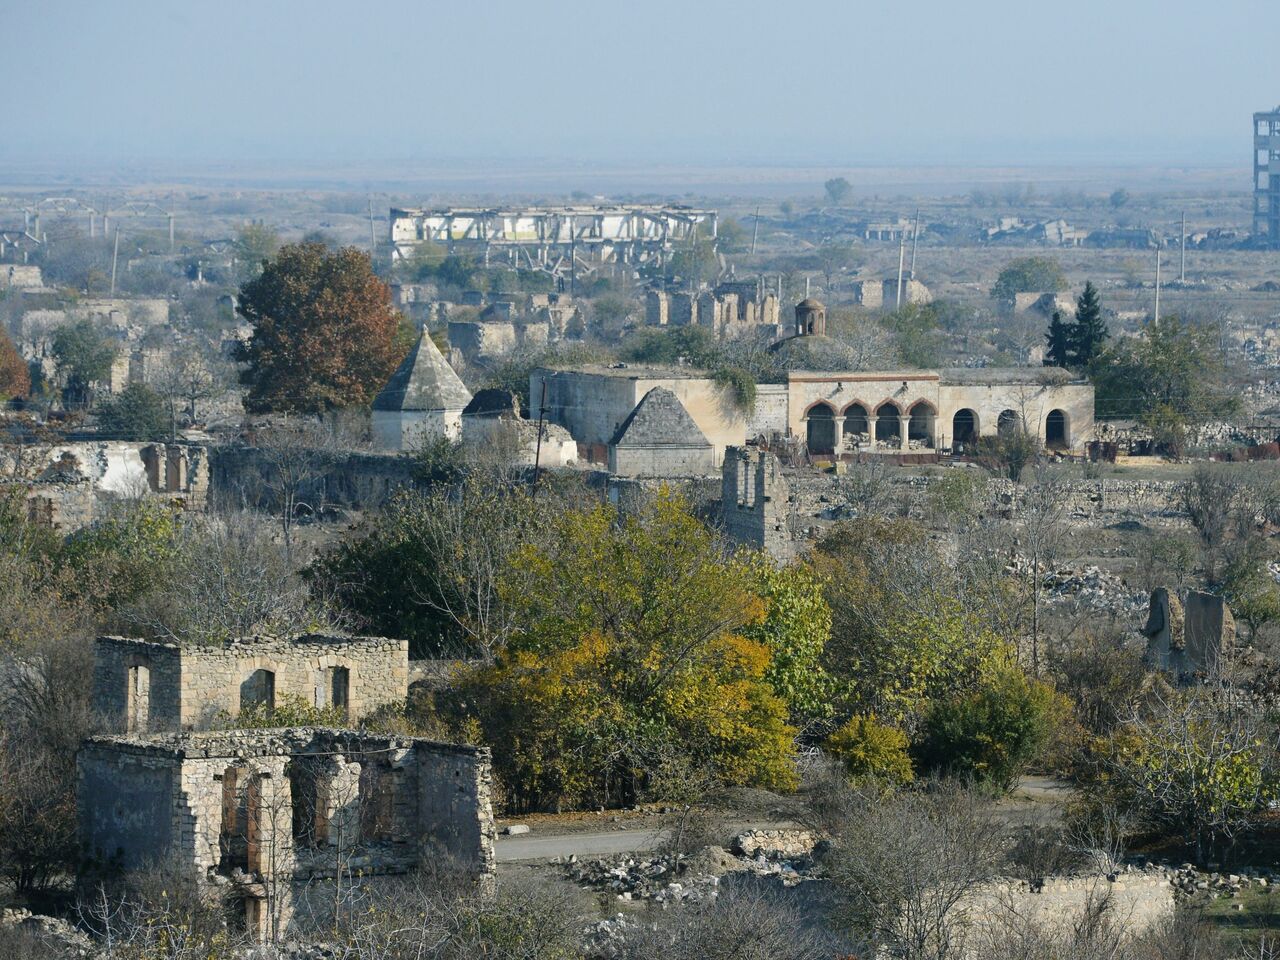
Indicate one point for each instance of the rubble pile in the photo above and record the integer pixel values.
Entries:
(787, 855)
(1095, 589)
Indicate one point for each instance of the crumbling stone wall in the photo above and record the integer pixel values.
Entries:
(755, 501)
(277, 811)
(244, 475)
(189, 687)
(1136, 902)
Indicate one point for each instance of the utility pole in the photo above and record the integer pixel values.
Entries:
(915, 236)
(1182, 266)
(755, 231)
(115, 254)
(902, 253)
(1157, 313)
(171, 227)
(373, 237)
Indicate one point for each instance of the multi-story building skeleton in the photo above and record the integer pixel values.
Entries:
(1266, 177)
(553, 238)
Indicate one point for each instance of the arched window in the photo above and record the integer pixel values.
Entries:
(921, 425)
(821, 429)
(1057, 430)
(1008, 423)
(888, 422)
(258, 690)
(855, 420)
(964, 426)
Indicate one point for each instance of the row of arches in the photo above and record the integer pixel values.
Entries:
(919, 420)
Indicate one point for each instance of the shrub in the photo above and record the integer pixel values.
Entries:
(991, 734)
(871, 750)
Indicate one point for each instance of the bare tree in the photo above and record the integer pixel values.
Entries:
(296, 454)
(905, 865)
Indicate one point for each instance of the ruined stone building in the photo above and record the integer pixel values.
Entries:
(593, 401)
(274, 817)
(733, 309)
(423, 399)
(493, 422)
(660, 439)
(1188, 637)
(143, 685)
(755, 506)
(835, 412)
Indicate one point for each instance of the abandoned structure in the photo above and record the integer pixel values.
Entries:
(423, 399)
(1266, 177)
(281, 816)
(492, 421)
(1188, 638)
(733, 309)
(555, 239)
(592, 402)
(929, 410)
(149, 686)
(755, 502)
(483, 341)
(660, 439)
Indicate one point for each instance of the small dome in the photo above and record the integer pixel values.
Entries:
(808, 303)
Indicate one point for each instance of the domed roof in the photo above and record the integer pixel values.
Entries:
(808, 303)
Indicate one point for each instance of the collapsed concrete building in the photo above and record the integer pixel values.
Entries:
(559, 240)
(1266, 178)
(151, 686)
(423, 399)
(275, 818)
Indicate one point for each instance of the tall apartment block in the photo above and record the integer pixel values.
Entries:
(1266, 177)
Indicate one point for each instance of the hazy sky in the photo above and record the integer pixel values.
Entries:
(642, 81)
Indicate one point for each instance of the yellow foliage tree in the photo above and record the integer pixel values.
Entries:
(632, 648)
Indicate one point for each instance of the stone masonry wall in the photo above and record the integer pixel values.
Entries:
(352, 480)
(190, 686)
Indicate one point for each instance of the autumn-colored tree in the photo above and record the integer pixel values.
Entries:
(15, 378)
(325, 333)
(634, 648)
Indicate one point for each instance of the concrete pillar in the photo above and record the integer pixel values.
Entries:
(839, 433)
(871, 429)
(904, 421)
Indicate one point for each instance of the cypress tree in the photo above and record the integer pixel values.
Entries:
(1057, 342)
(1089, 331)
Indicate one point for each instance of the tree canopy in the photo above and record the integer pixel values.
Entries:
(1029, 275)
(838, 190)
(325, 334)
(83, 356)
(15, 376)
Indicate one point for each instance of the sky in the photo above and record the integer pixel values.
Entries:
(675, 82)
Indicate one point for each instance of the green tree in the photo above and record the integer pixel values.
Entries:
(1089, 333)
(1119, 197)
(83, 356)
(632, 650)
(871, 750)
(732, 236)
(918, 338)
(838, 190)
(255, 245)
(1029, 275)
(993, 733)
(136, 413)
(1172, 378)
(795, 628)
(1057, 342)
(324, 332)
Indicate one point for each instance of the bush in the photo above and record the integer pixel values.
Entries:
(871, 750)
(993, 733)
(136, 413)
